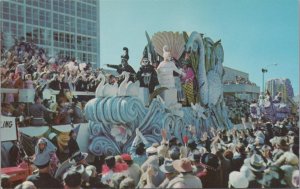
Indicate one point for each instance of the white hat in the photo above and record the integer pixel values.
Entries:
(151, 150)
(238, 180)
(260, 140)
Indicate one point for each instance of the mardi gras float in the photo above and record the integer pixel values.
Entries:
(191, 95)
(277, 104)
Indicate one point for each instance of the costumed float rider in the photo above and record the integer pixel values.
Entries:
(188, 84)
(138, 148)
(124, 66)
(147, 75)
(165, 70)
(277, 98)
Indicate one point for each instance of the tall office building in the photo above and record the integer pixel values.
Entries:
(61, 27)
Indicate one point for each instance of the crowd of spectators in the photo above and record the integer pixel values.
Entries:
(237, 109)
(25, 66)
(266, 156)
(239, 80)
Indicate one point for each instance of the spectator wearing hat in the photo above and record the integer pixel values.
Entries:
(133, 170)
(195, 159)
(257, 166)
(78, 158)
(239, 158)
(93, 180)
(72, 179)
(237, 180)
(26, 185)
(169, 171)
(72, 144)
(75, 162)
(43, 179)
(151, 174)
(116, 180)
(174, 153)
(185, 179)
(273, 178)
(127, 183)
(210, 176)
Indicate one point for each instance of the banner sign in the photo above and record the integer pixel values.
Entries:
(8, 128)
(26, 95)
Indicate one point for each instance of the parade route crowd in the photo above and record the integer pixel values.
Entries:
(266, 156)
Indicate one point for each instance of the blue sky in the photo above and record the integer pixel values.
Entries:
(254, 33)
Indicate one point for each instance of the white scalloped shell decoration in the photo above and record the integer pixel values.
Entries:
(174, 41)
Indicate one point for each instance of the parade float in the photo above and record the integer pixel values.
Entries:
(277, 104)
(117, 111)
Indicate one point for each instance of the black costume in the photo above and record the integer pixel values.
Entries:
(147, 70)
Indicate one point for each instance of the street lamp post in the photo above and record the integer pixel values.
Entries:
(264, 70)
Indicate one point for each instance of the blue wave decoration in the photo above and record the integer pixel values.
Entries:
(110, 116)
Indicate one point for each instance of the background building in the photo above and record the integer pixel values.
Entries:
(236, 83)
(61, 27)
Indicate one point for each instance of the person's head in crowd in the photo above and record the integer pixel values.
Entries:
(140, 149)
(183, 165)
(91, 171)
(228, 154)
(44, 75)
(119, 159)
(195, 157)
(5, 109)
(266, 151)
(38, 99)
(151, 151)
(127, 183)
(210, 162)
(5, 182)
(174, 153)
(192, 145)
(42, 143)
(73, 134)
(168, 169)
(283, 145)
(257, 164)
(72, 179)
(116, 180)
(26, 185)
(173, 142)
(110, 161)
(288, 158)
(21, 107)
(127, 158)
(237, 180)
(273, 178)
(78, 158)
(240, 148)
